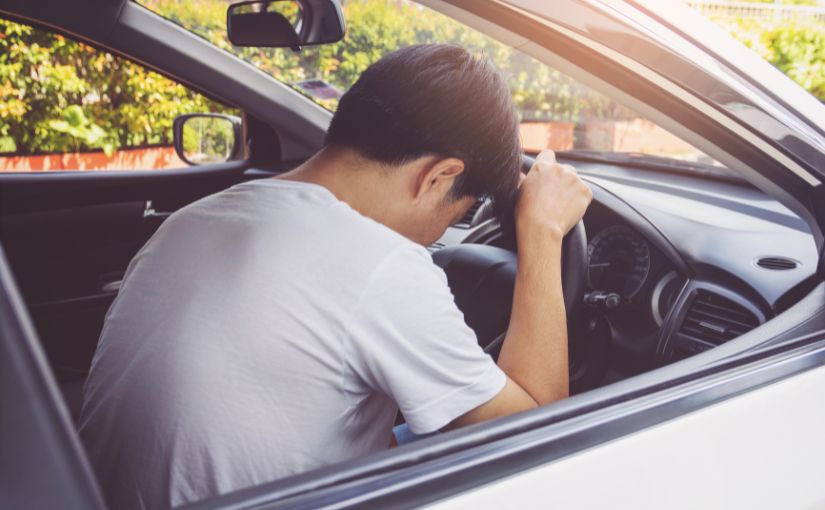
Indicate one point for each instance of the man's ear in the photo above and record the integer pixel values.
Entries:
(438, 177)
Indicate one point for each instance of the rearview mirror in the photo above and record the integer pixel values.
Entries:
(285, 23)
(206, 138)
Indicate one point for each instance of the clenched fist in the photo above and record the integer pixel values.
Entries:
(551, 200)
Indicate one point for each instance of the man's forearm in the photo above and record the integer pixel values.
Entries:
(534, 353)
(551, 200)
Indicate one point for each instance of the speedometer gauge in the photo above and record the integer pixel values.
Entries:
(618, 261)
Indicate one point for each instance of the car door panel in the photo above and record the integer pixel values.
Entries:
(70, 237)
(43, 464)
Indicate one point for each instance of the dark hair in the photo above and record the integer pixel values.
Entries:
(435, 99)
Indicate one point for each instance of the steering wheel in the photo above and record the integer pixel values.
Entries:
(482, 278)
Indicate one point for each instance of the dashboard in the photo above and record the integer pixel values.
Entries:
(677, 265)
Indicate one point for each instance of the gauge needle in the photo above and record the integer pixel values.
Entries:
(602, 264)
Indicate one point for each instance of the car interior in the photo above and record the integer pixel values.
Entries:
(644, 305)
(668, 264)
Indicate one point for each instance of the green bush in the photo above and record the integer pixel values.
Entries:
(57, 95)
(377, 27)
(799, 51)
(797, 48)
(119, 104)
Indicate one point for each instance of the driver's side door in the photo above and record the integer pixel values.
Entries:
(87, 174)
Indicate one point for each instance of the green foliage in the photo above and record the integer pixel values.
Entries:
(57, 95)
(77, 126)
(798, 51)
(377, 27)
(797, 48)
(208, 139)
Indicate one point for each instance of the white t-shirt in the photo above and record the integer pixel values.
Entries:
(268, 330)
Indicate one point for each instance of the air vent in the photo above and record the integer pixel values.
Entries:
(467, 220)
(714, 319)
(777, 263)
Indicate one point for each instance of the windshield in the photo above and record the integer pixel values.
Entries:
(556, 111)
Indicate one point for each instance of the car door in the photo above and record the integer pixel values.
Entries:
(760, 450)
(42, 464)
(78, 198)
(463, 460)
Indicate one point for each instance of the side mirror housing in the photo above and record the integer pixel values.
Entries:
(285, 23)
(207, 138)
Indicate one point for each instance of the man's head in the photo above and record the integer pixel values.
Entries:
(442, 124)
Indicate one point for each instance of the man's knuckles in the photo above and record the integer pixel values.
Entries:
(588, 192)
(542, 167)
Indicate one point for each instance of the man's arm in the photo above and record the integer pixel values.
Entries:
(552, 199)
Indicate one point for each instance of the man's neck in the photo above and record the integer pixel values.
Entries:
(360, 183)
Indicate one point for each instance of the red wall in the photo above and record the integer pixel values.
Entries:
(130, 159)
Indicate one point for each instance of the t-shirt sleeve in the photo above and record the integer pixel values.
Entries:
(408, 340)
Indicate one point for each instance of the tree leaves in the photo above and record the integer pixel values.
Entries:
(76, 125)
(795, 47)
(58, 95)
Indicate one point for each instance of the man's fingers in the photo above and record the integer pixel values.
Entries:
(546, 156)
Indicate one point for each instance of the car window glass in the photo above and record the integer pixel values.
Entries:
(68, 106)
(557, 112)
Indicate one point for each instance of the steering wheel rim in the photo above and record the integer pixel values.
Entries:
(482, 279)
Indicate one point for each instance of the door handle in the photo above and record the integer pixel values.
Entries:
(149, 212)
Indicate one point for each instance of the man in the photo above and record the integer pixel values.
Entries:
(279, 325)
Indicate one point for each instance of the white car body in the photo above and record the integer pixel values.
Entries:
(762, 450)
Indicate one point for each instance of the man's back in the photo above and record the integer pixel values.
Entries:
(243, 347)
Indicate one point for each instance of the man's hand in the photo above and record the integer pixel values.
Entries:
(552, 199)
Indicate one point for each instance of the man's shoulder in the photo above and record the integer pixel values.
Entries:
(302, 225)
(391, 258)
(380, 239)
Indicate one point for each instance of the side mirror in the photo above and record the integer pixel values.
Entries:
(285, 23)
(207, 138)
